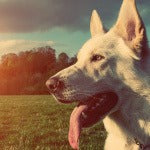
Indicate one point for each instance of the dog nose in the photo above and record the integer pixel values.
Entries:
(54, 84)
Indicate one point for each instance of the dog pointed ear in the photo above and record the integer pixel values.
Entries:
(96, 25)
(130, 27)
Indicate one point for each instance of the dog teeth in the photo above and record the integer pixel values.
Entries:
(84, 115)
(101, 99)
(93, 108)
(97, 104)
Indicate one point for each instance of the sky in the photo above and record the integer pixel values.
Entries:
(61, 24)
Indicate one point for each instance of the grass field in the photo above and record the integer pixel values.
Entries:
(39, 123)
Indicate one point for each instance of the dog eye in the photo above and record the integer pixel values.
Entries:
(97, 58)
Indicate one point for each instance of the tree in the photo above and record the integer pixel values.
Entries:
(27, 72)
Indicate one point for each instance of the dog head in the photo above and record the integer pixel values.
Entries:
(103, 58)
(103, 63)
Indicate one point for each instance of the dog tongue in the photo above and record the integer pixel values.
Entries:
(76, 126)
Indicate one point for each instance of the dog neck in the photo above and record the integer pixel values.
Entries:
(133, 115)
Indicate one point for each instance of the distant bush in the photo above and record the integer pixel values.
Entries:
(27, 72)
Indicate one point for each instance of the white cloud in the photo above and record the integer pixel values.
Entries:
(15, 46)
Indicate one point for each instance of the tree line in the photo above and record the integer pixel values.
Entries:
(27, 72)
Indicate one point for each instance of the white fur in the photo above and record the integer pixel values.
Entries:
(122, 71)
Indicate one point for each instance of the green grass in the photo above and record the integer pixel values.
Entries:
(40, 123)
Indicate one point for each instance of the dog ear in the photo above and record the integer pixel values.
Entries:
(131, 28)
(96, 25)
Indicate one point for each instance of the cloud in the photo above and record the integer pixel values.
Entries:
(15, 46)
(41, 15)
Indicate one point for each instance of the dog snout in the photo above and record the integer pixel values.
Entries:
(54, 84)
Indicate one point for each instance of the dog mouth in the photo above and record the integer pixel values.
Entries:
(89, 112)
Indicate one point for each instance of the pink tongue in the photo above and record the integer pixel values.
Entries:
(75, 126)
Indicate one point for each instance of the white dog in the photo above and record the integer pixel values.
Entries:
(111, 81)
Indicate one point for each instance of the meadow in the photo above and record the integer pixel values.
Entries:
(40, 123)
